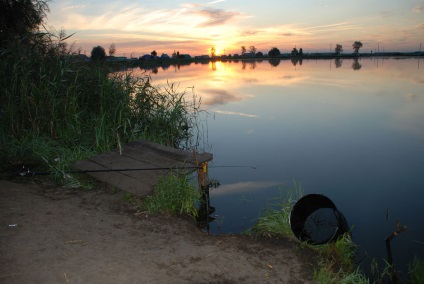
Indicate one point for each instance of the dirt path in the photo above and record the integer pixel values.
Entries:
(57, 235)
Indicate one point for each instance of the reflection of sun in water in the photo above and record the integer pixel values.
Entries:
(220, 76)
(222, 72)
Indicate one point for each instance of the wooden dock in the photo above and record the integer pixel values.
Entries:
(139, 163)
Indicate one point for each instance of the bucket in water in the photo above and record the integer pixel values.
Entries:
(316, 220)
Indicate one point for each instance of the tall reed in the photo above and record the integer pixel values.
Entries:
(47, 94)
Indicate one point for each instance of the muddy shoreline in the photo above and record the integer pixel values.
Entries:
(51, 234)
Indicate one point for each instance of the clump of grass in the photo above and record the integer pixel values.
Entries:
(339, 254)
(276, 220)
(173, 194)
(416, 271)
(336, 263)
(326, 275)
(128, 197)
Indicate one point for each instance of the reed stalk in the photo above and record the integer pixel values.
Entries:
(47, 96)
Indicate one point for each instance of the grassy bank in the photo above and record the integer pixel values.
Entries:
(55, 110)
(337, 258)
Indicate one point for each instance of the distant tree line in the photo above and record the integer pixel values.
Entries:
(99, 53)
(275, 52)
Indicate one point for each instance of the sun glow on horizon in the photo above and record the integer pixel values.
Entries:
(195, 28)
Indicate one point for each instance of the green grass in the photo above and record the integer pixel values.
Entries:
(326, 275)
(173, 194)
(54, 110)
(336, 259)
(336, 263)
(276, 219)
(416, 271)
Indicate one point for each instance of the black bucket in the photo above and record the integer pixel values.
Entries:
(316, 220)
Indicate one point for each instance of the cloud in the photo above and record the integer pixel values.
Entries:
(73, 7)
(196, 5)
(249, 33)
(215, 17)
(214, 2)
(332, 27)
(418, 9)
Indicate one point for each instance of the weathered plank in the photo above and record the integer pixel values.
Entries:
(140, 155)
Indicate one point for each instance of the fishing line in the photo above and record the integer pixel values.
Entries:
(28, 172)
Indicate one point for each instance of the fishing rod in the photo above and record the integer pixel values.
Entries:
(28, 172)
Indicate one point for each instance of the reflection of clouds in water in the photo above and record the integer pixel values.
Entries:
(410, 97)
(250, 80)
(236, 113)
(410, 117)
(219, 97)
(247, 186)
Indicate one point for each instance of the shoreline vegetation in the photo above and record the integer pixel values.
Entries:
(236, 58)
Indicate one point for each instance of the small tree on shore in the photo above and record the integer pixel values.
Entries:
(213, 51)
(356, 46)
(154, 53)
(338, 49)
(243, 49)
(252, 49)
(112, 49)
(274, 52)
(98, 53)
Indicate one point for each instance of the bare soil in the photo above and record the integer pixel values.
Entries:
(51, 234)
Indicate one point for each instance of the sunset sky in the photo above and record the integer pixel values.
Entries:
(138, 27)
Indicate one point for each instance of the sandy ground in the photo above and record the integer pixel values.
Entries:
(52, 234)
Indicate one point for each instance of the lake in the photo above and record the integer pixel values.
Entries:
(351, 130)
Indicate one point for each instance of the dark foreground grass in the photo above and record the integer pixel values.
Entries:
(55, 110)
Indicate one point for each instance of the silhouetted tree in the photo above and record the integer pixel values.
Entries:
(294, 52)
(274, 52)
(213, 51)
(259, 54)
(338, 49)
(356, 46)
(154, 53)
(243, 50)
(19, 18)
(252, 49)
(98, 53)
(300, 53)
(112, 49)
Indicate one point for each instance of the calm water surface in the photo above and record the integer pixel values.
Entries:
(353, 131)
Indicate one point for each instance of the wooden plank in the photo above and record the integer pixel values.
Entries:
(176, 154)
(119, 179)
(153, 158)
(140, 155)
